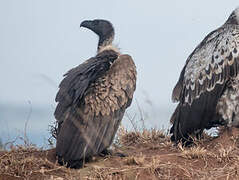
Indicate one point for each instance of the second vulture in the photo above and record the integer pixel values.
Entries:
(208, 86)
(92, 99)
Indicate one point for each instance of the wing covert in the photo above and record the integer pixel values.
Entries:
(213, 62)
(113, 90)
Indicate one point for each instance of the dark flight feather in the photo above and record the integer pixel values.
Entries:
(78, 79)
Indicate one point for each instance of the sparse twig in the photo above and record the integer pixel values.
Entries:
(26, 140)
(132, 121)
(141, 114)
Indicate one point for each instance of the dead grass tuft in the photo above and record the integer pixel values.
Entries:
(195, 152)
(140, 137)
(135, 160)
(225, 154)
(25, 162)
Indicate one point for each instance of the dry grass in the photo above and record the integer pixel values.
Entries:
(209, 159)
(150, 156)
(26, 162)
(145, 136)
(195, 152)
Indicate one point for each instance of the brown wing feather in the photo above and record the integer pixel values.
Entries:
(90, 126)
(121, 79)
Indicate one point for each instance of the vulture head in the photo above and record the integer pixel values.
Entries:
(103, 28)
(234, 17)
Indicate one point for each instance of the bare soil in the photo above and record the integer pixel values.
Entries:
(150, 155)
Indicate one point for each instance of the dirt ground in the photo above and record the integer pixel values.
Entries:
(150, 155)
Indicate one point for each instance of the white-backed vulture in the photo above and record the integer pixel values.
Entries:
(208, 86)
(92, 99)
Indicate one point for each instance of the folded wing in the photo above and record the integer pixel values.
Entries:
(91, 122)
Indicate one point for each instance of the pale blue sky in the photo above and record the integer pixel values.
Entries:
(40, 40)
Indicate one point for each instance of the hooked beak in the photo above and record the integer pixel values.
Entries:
(86, 24)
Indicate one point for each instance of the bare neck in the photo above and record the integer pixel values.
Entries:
(105, 41)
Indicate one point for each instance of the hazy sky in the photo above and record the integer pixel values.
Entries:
(40, 40)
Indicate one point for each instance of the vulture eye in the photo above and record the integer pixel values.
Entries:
(95, 23)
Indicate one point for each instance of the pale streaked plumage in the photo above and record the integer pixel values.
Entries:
(209, 72)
